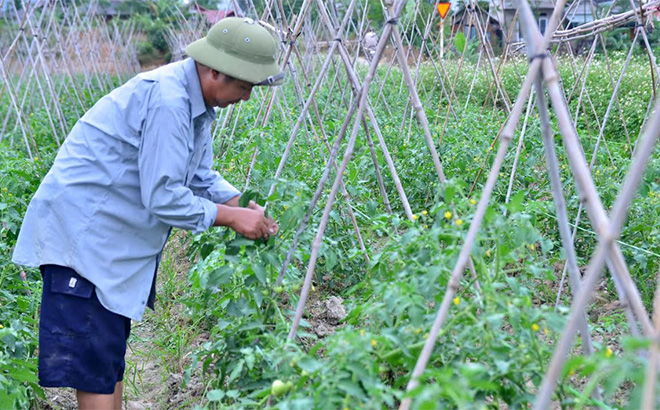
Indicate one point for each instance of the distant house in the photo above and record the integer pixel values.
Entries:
(211, 16)
(542, 10)
(465, 20)
(576, 13)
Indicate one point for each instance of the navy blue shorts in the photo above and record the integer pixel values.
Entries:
(81, 344)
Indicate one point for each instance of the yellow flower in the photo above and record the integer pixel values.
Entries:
(473, 201)
(501, 174)
(563, 167)
(361, 332)
(609, 352)
(298, 193)
(373, 342)
(426, 227)
(571, 372)
(535, 327)
(426, 336)
(546, 331)
(531, 246)
(488, 253)
(457, 300)
(425, 212)
(459, 222)
(414, 217)
(418, 331)
(2, 327)
(448, 215)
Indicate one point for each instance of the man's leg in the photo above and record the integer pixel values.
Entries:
(119, 395)
(94, 401)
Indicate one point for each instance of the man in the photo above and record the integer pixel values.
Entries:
(138, 163)
(370, 44)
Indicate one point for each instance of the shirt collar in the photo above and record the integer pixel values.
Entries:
(195, 90)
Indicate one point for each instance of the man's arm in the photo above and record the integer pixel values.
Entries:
(249, 222)
(233, 202)
(162, 162)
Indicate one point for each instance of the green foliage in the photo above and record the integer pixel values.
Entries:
(459, 42)
(19, 290)
(495, 343)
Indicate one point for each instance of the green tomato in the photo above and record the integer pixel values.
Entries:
(279, 388)
(278, 289)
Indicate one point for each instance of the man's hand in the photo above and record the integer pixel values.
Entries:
(249, 222)
(273, 228)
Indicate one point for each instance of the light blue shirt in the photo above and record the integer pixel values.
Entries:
(136, 164)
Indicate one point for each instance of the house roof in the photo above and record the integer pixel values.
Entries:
(212, 16)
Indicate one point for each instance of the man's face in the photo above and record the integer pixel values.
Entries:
(223, 92)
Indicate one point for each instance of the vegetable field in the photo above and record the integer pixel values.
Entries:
(464, 223)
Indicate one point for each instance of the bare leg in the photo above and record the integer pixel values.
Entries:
(119, 395)
(95, 401)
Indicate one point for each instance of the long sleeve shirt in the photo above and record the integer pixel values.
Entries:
(136, 164)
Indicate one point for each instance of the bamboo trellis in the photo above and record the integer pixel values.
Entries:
(42, 58)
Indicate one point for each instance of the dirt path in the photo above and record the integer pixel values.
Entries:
(144, 387)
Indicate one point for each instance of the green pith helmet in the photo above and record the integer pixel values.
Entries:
(241, 48)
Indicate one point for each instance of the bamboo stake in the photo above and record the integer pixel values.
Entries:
(372, 119)
(521, 137)
(605, 245)
(347, 156)
(304, 8)
(27, 134)
(588, 191)
(648, 396)
(560, 211)
(343, 188)
(463, 257)
(417, 105)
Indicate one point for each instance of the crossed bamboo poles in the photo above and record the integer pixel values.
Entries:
(619, 268)
(45, 78)
(358, 102)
